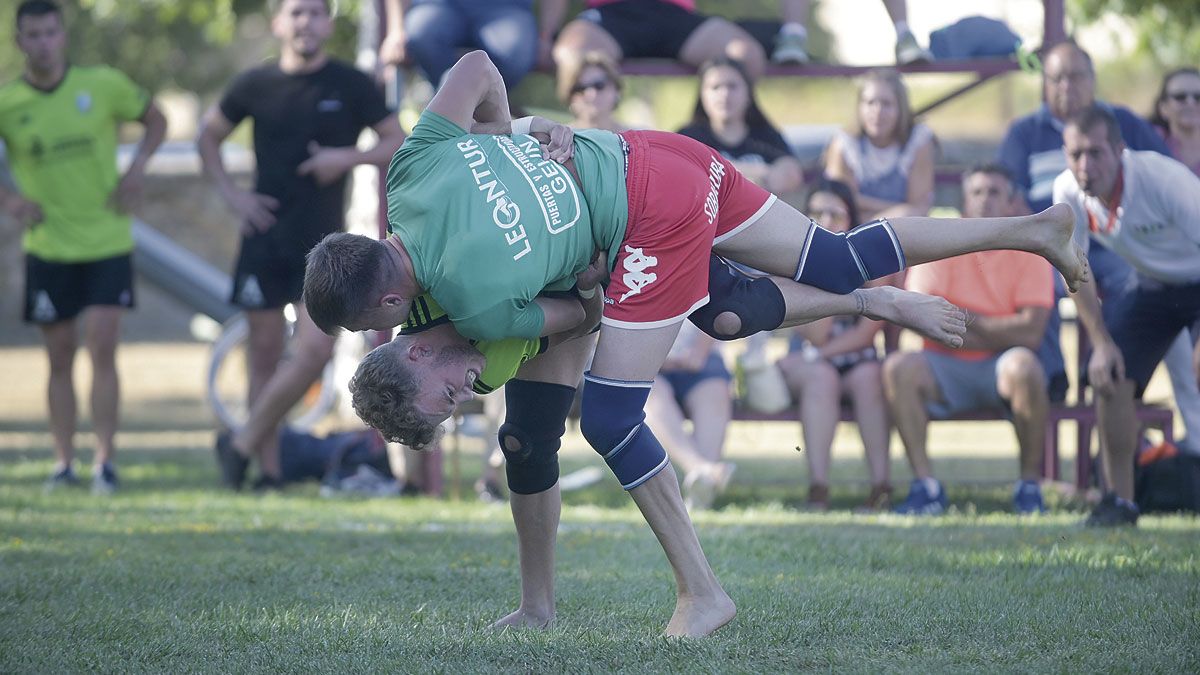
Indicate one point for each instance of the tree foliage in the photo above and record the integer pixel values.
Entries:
(193, 45)
(1167, 30)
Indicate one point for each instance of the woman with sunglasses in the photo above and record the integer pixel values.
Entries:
(832, 359)
(592, 93)
(1177, 115)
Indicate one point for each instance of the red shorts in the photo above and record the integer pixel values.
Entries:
(683, 196)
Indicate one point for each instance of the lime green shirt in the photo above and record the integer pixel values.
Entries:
(489, 223)
(504, 357)
(62, 147)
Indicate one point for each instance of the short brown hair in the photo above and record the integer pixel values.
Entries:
(1094, 115)
(342, 278)
(384, 394)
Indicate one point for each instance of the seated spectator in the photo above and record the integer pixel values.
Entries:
(832, 359)
(727, 118)
(694, 384)
(1177, 116)
(791, 46)
(434, 33)
(592, 92)
(635, 29)
(1010, 294)
(889, 160)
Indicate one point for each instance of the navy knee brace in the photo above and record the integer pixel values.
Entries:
(533, 426)
(756, 301)
(614, 423)
(840, 263)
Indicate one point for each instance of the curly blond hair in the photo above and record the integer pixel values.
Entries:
(384, 393)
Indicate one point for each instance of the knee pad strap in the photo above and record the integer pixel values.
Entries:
(757, 302)
(614, 423)
(532, 432)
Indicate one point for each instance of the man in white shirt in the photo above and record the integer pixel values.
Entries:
(1146, 208)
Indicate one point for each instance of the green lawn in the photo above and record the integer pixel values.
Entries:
(173, 575)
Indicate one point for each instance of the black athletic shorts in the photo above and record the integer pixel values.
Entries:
(646, 29)
(267, 276)
(56, 291)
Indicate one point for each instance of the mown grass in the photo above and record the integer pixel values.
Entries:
(172, 575)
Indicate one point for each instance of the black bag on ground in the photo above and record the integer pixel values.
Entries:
(1169, 484)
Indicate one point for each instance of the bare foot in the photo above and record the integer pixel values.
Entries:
(933, 317)
(523, 619)
(696, 617)
(1053, 237)
(702, 485)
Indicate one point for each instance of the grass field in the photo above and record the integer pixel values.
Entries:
(173, 575)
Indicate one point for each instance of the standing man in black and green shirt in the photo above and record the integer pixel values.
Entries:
(59, 125)
(308, 111)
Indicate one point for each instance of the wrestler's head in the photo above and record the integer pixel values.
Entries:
(409, 386)
(1093, 145)
(349, 282)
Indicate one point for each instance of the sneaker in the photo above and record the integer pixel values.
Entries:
(64, 477)
(1112, 511)
(104, 481)
(266, 483)
(922, 501)
(908, 51)
(790, 49)
(1027, 497)
(231, 462)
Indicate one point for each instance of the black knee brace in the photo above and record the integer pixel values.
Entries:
(756, 302)
(531, 433)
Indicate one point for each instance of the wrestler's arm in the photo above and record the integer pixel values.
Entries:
(472, 91)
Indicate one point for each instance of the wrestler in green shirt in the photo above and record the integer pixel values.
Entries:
(444, 181)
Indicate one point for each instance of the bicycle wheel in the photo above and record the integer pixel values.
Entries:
(227, 378)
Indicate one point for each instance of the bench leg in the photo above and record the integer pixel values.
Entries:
(1083, 454)
(1050, 458)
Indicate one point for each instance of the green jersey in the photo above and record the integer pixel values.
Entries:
(490, 223)
(504, 357)
(62, 147)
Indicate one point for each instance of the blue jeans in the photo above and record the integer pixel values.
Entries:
(438, 30)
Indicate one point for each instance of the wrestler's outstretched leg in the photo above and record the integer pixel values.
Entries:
(773, 242)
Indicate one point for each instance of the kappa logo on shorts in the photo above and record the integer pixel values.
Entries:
(251, 295)
(43, 308)
(636, 277)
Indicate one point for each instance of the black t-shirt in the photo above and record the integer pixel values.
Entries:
(330, 106)
(762, 145)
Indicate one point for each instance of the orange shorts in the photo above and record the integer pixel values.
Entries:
(683, 196)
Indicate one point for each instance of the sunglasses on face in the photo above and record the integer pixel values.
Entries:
(1183, 96)
(598, 85)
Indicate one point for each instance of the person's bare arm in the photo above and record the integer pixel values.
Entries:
(551, 14)
(835, 163)
(561, 315)
(921, 178)
(25, 211)
(255, 210)
(328, 164)
(472, 91)
(1107, 365)
(129, 189)
(861, 336)
(1025, 328)
(392, 50)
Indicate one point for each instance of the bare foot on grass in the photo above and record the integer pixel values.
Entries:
(524, 619)
(700, 617)
(935, 318)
